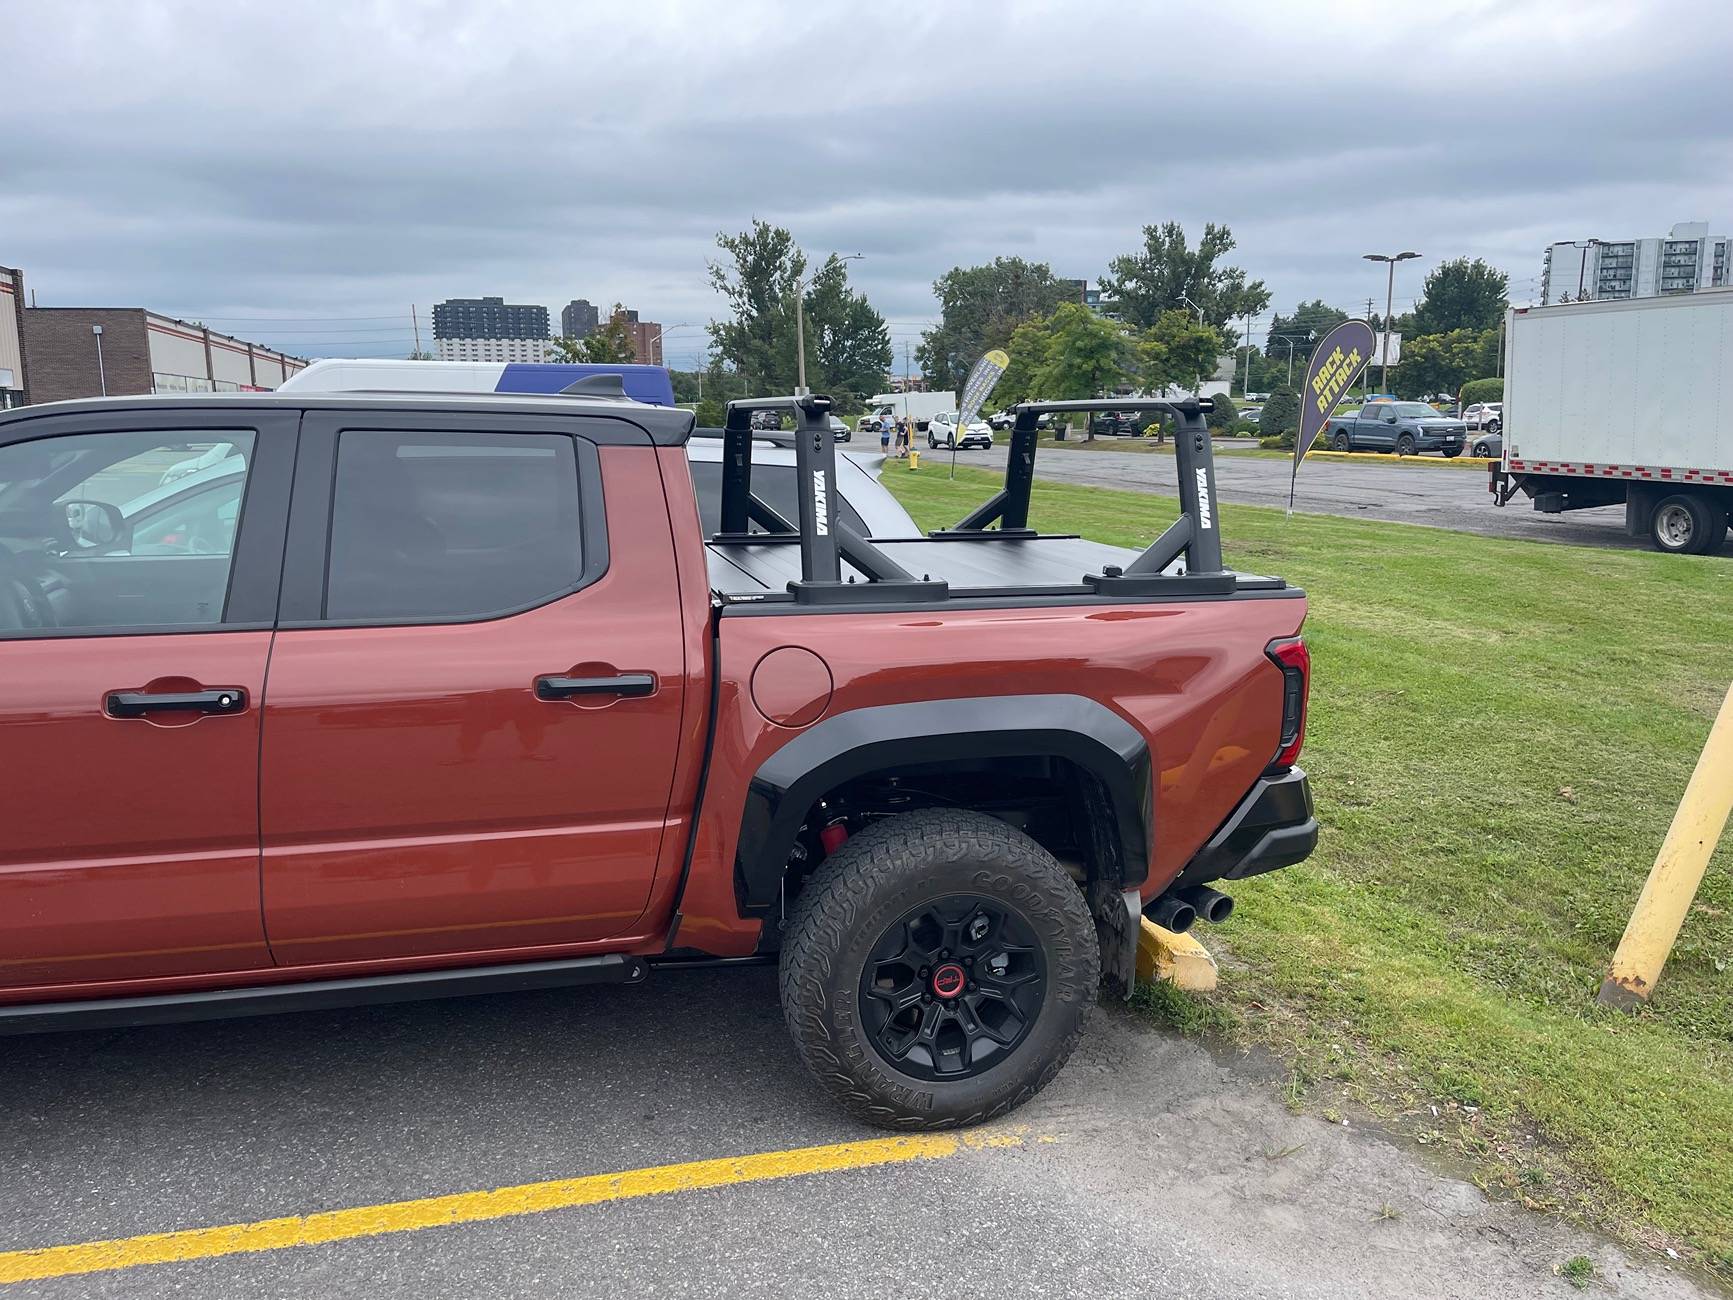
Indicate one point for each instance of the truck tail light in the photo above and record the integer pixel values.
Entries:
(1291, 656)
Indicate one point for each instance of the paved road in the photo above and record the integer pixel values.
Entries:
(1456, 499)
(1168, 1171)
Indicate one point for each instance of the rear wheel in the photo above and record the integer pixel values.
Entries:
(937, 970)
(1687, 524)
(1339, 441)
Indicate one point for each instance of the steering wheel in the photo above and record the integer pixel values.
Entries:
(23, 603)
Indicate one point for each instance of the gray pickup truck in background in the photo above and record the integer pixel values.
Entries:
(1406, 428)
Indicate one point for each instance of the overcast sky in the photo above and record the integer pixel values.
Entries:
(326, 165)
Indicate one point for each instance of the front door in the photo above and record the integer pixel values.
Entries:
(139, 560)
(475, 698)
(1371, 429)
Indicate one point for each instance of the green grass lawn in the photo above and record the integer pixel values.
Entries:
(1499, 733)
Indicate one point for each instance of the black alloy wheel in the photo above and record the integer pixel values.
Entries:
(952, 988)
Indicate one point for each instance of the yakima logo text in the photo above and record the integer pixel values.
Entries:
(821, 503)
(1203, 513)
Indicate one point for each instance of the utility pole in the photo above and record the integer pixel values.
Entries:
(1246, 388)
(415, 324)
(1389, 307)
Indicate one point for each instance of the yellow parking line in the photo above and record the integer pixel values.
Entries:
(475, 1207)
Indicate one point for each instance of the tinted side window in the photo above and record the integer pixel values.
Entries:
(125, 529)
(773, 484)
(441, 527)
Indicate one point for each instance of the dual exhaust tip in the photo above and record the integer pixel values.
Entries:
(1180, 910)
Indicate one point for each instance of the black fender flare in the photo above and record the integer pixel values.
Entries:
(860, 741)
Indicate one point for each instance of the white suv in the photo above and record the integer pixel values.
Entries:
(942, 431)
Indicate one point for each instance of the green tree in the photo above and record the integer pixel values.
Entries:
(1175, 351)
(848, 348)
(980, 308)
(1316, 318)
(757, 280)
(1222, 416)
(1482, 390)
(1443, 363)
(711, 413)
(610, 343)
(1086, 355)
(1281, 416)
(1149, 282)
(1028, 353)
(1462, 294)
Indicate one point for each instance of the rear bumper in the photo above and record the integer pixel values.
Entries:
(1273, 827)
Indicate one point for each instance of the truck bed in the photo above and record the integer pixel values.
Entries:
(988, 566)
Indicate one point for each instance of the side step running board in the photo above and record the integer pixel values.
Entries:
(318, 995)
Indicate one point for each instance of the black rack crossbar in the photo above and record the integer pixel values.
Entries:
(825, 540)
(1194, 534)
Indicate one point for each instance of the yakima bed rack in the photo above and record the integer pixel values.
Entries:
(826, 540)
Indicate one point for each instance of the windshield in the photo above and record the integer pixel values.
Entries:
(1415, 408)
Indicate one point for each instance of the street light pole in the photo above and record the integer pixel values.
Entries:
(1389, 306)
(101, 375)
(659, 333)
(800, 320)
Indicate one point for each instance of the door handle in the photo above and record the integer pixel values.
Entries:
(564, 688)
(135, 704)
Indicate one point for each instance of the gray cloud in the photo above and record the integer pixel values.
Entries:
(342, 161)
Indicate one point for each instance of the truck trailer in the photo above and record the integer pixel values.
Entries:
(1624, 401)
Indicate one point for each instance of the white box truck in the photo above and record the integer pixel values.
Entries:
(1624, 401)
(919, 407)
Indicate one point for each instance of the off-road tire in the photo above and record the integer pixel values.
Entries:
(862, 890)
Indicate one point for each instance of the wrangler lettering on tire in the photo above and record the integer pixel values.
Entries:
(937, 970)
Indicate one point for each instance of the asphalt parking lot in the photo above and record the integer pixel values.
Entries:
(1432, 495)
(1149, 1167)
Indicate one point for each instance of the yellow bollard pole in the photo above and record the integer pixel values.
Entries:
(1678, 871)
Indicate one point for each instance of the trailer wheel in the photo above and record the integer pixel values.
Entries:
(1686, 524)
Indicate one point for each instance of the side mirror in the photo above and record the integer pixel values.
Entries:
(95, 524)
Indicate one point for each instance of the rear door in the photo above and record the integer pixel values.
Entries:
(1370, 428)
(475, 695)
(134, 662)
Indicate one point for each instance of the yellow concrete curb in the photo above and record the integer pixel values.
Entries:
(1177, 958)
(1391, 458)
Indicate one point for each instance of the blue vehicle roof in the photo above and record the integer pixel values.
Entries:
(649, 384)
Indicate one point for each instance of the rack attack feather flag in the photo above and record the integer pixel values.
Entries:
(1336, 363)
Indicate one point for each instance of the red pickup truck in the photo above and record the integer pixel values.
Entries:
(422, 695)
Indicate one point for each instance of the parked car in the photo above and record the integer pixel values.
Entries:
(942, 431)
(1487, 444)
(840, 431)
(1249, 413)
(1485, 417)
(1406, 428)
(1126, 424)
(530, 723)
(769, 421)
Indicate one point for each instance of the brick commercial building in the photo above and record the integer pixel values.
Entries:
(12, 392)
(91, 351)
